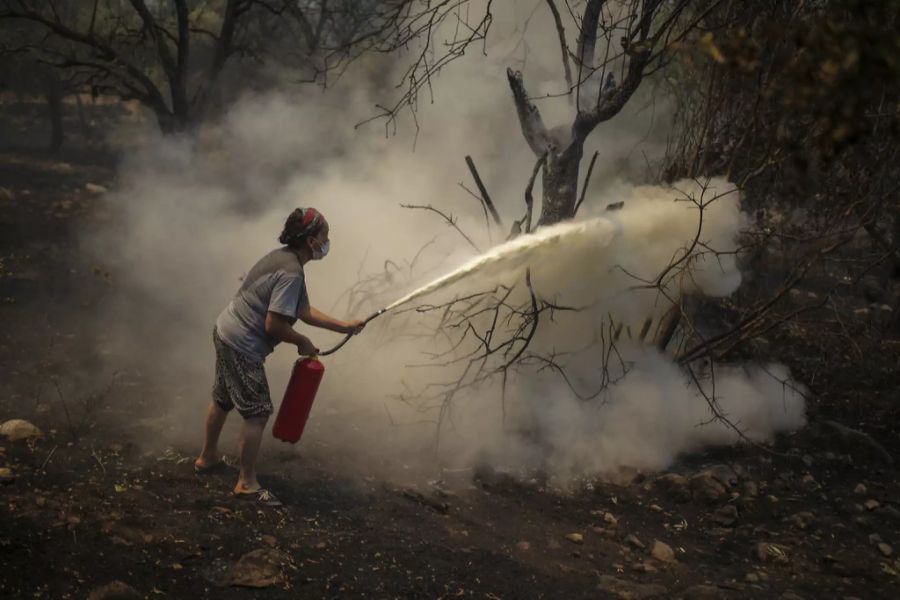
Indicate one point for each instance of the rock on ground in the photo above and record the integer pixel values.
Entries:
(115, 590)
(675, 486)
(20, 429)
(662, 552)
(258, 569)
(629, 590)
(702, 592)
(706, 488)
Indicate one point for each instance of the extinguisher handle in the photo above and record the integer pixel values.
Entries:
(350, 335)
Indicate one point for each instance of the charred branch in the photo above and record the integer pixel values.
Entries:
(485, 197)
(532, 124)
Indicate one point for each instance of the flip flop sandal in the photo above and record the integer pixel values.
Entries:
(262, 496)
(219, 468)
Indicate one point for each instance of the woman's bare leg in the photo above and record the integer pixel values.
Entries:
(215, 420)
(251, 439)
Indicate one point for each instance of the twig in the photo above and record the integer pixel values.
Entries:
(97, 458)
(529, 200)
(485, 197)
(562, 45)
(49, 456)
(587, 179)
(449, 219)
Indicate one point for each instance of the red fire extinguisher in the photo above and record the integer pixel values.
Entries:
(301, 392)
(298, 399)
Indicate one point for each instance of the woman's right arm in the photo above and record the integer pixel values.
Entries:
(278, 328)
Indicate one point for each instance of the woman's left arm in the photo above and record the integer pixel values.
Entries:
(312, 316)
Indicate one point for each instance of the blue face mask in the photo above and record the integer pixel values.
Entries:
(322, 252)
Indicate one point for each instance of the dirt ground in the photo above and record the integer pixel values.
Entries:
(814, 515)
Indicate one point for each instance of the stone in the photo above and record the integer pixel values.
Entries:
(575, 538)
(624, 476)
(706, 488)
(632, 540)
(523, 546)
(888, 512)
(629, 590)
(269, 540)
(803, 520)
(610, 520)
(872, 504)
(115, 590)
(644, 567)
(751, 578)
(885, 549)
(258, 569)
(860, 489)
(656, 508)
(723, 474)
(674, 486)
(20, 429)
(662, 552)
(726, 515)
(6, 475)
(766, 552)
(701, 592)
(95, 188)
(809, 482)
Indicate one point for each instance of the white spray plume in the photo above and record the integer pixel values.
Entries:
(193, 214)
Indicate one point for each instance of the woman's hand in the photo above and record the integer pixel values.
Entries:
(354, 327)
(306, 347)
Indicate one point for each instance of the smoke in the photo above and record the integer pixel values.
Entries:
(193, 213)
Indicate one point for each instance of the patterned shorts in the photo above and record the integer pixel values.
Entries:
(240, 382)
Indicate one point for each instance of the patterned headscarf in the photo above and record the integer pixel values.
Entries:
(301, 224)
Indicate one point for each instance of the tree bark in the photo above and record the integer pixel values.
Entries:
(560, 172)
(82, 119)
(561, 184)
(54, 95)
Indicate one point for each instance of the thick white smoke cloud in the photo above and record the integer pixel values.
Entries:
(194, 213)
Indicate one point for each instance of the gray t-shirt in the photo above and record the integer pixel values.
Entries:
(275, 284)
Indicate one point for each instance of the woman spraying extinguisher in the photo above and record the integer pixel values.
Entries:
(260, 316)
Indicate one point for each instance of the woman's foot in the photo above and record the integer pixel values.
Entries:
(260, 494)
(211, 465)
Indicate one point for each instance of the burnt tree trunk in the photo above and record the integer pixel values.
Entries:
(54, 95)
(560, 180)
(560, 172)
(175, 66)
(598, 96)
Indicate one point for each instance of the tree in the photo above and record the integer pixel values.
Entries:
(797, 103)
(646, 31)
(22, 74)
(170, 55)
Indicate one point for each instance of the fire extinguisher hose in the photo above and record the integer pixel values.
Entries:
(350, 335)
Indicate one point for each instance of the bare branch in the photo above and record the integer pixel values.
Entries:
(561, 32)
(529, 201)
(485, 197)
(587, 179)
(529, 116)
(448, 218)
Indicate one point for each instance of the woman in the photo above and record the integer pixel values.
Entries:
(261, 315)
